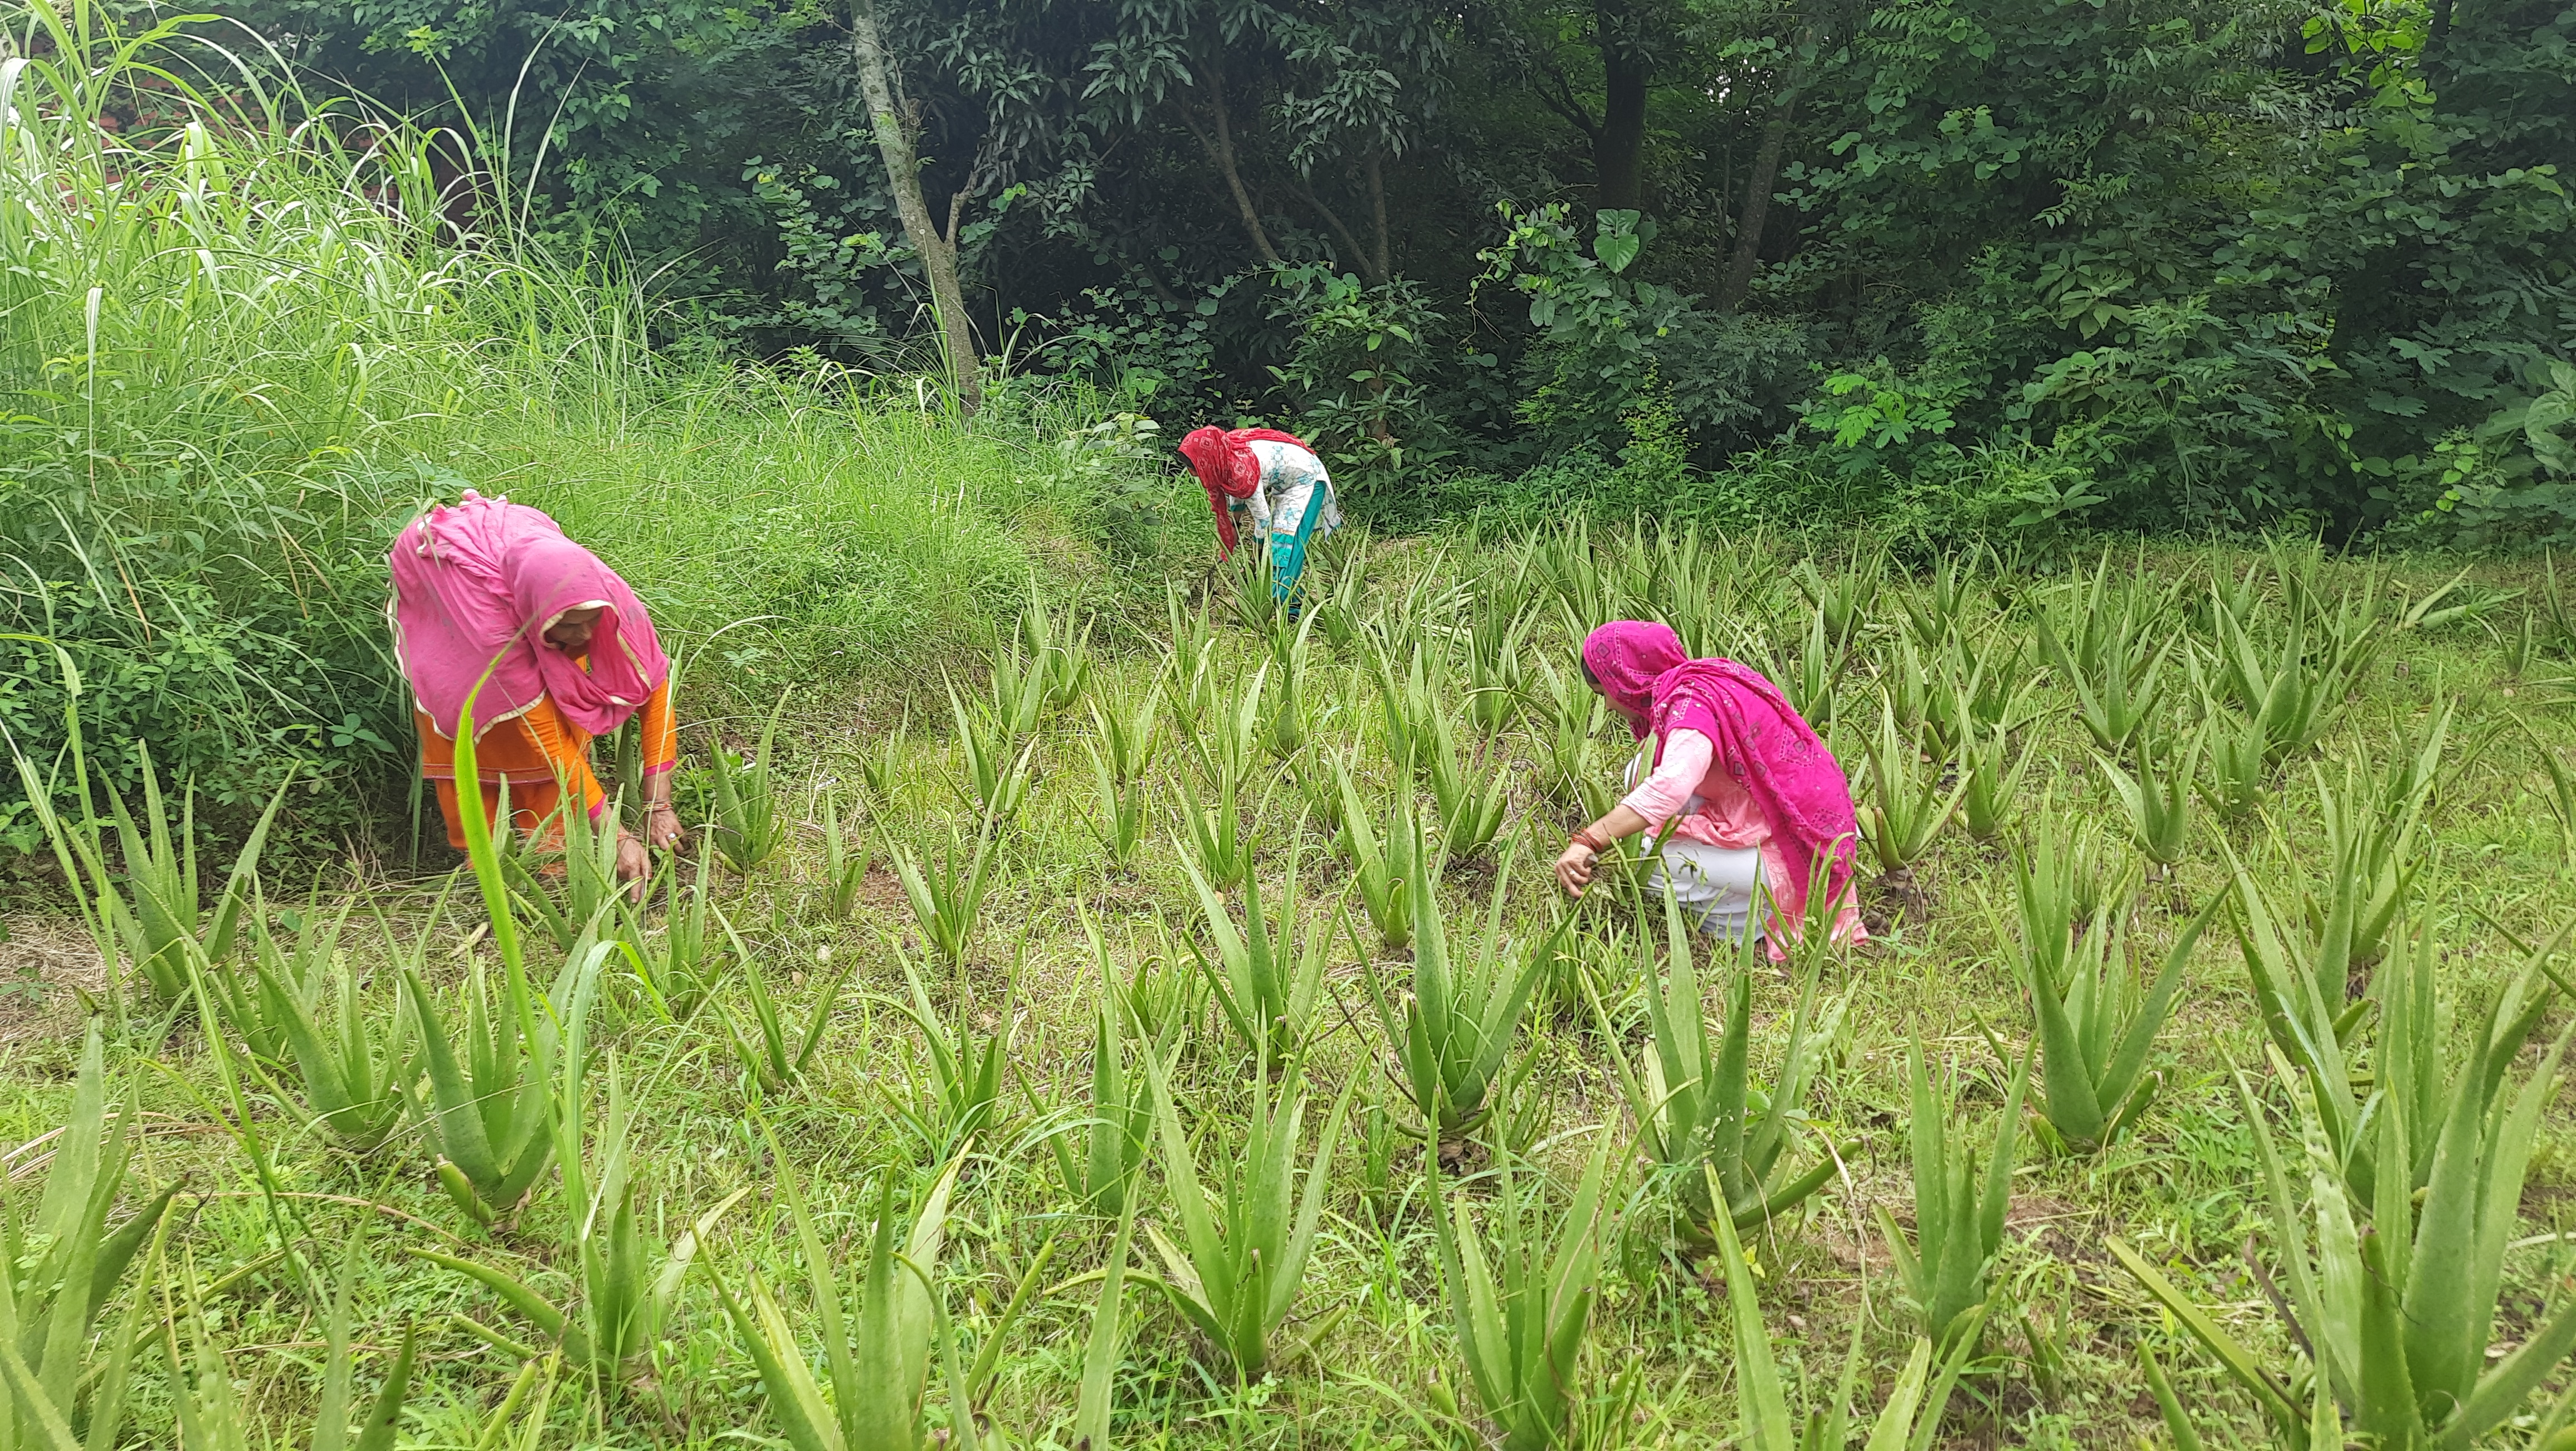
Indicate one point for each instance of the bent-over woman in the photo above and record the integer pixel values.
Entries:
(1747, 802)
(1272, 482)
(491, 593)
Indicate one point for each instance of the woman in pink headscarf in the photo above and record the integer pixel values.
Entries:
(1746, 801)
(492, 602)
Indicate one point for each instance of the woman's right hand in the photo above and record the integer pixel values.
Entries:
(1575, 866)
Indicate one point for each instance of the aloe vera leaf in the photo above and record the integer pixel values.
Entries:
(2129, 1059)
(794, 1396)
(1100, 1353)
(1760, 1400)
(2240, 1363)
(1895, 1423)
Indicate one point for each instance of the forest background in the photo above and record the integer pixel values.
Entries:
(1947, 270)
(2159, 264)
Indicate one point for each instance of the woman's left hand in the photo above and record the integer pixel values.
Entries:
(662, 828)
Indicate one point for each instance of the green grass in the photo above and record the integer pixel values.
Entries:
(1658, 1367)
(223, 453)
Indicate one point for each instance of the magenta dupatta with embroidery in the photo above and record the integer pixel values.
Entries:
(1761, 739)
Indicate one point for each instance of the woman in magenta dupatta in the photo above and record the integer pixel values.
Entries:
(1743, 795)
(493, 603)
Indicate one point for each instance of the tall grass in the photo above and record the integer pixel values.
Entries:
(244, 335)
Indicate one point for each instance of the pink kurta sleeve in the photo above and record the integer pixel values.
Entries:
(1676, 777)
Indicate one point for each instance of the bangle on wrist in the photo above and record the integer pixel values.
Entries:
(1586, 837)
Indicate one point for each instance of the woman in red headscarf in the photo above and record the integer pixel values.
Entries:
(494, 605)
(1271, 482)
(1746, 801)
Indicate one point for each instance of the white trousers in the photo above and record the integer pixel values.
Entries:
(1715, 886)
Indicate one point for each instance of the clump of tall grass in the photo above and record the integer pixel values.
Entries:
(250, 333)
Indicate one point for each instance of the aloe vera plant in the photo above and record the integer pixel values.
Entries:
(1219, 840)
(1122, 750)
(490, 1114)
(946, 901)
(1934, 612)
(1910, 1420)
(1845, 599)
(965, 1066)
(2113, 659)
(2158, 798)
(1572, 715)
(587, 879)
(678, 971)
(1722, 1142)
(749, 827)
(1812, 677)
(2238, 778)
(1392, 871)
(1473, 796)
(62, 1265)
(1407, 705)
(2396, 1291)
(1100, 1170)
(1948, 1263)
(489, 1106)
(996, 758)
(2300, 990)
(1992, 772)
(1284, 727)
(160, 913)
(352, 1075)
(1266, 974)
(845, 863)
(1520, 1308)
(1060, 658)
(1450, 1029)
(2097, 1022)
(773, 1054)
(1907, 807)
(1247, 1245)
(311, 940)
(876, 1365)
(2294, 695)
(1494, 672)
(624, 1298)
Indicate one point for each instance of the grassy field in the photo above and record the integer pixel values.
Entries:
(956, 1000)
(825, 938)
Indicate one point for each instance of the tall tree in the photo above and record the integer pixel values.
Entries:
(895, 125)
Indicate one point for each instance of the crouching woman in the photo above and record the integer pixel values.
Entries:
(1749, 806)
(490, 594)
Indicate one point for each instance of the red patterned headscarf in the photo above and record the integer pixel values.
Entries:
(1760, 738)
(1222, 458)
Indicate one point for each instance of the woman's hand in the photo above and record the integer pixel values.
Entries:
(632, 865)
(1575, 866)
(662, 827)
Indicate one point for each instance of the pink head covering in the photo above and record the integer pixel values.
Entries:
(1762, 740)
(475, 589)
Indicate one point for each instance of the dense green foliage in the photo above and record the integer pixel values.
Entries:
(232, 372)
(1967, 262)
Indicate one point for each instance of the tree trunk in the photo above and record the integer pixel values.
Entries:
(879, 83)
(1377, 214)
(1757, 205)
(1618, 150)
(1220, 149)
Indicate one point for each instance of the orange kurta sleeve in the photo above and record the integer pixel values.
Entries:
(661, 738)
